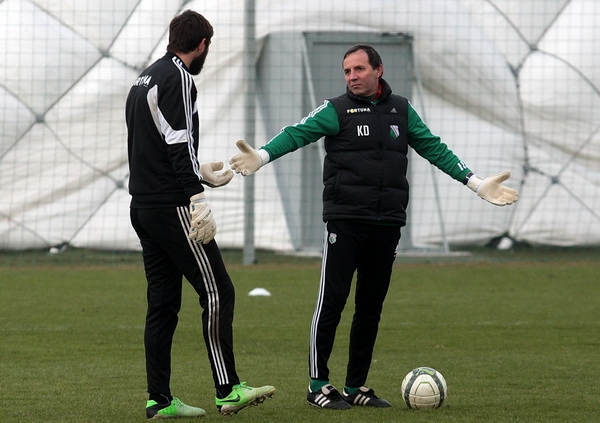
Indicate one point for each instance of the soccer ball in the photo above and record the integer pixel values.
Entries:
(424, 387)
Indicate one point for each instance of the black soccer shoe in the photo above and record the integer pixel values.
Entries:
(366, 397)
(327, 397)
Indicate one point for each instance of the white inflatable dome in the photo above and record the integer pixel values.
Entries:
(508, 84)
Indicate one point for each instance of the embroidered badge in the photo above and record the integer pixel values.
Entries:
(332, 238)
(394, 131)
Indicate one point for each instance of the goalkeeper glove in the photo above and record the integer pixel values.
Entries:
(249, 160)
(492, 190)
(203, 227)
(213, 179)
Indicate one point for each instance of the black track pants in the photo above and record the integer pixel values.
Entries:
(168, 256)
(349, 247)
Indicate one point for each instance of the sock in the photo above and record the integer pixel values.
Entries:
(161, 398)
(349, 390)
(316, 384)
(223, 391)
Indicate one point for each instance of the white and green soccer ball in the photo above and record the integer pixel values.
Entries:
(424, 387)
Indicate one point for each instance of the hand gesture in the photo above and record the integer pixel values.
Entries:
(492, 190)
(211, 177)
(248, 161)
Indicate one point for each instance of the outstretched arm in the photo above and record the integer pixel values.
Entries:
(321, 121)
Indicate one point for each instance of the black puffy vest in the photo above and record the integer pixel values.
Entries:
(364, 173)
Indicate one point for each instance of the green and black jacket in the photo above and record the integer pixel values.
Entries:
(366, 145)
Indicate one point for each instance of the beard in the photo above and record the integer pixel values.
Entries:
(198, 63)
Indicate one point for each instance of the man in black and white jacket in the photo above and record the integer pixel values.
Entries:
(174, 222)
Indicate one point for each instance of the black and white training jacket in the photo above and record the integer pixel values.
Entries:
(162, 141)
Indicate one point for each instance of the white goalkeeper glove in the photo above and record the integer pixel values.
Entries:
(492, 190)
(249, 160)
(213, 179)
(203, 227)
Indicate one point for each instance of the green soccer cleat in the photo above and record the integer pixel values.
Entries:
(172, 410)
(241, 396)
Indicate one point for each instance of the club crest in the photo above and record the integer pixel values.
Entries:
(332, 238)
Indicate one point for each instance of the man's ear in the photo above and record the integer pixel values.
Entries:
(203, 46)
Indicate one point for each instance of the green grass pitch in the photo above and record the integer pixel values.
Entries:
(517, 337)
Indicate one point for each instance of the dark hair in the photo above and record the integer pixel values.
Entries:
(187, 30)
(374, 57)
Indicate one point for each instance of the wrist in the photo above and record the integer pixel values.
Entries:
(467, 177)
(264, 156)
(198, 198)
(473, 182)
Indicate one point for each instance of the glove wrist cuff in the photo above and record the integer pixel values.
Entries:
(197, 198)
(474, 182)
(264, 157)
(467, 177)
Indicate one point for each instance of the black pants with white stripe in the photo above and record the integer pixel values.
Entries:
(169, 256)
(349, 247)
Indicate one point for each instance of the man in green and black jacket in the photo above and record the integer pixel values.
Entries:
(367, 133)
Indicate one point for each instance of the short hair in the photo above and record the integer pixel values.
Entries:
(374, 57)
(187, 30)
